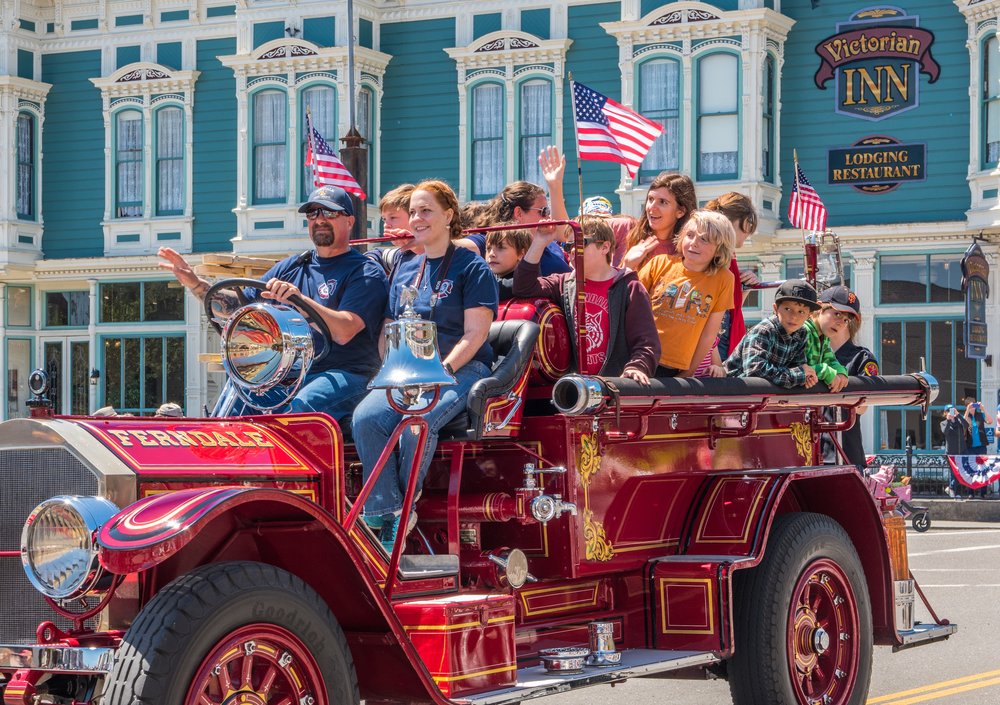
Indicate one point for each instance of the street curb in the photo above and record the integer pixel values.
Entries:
(960, 509)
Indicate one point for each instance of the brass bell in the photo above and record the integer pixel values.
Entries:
(412, 362)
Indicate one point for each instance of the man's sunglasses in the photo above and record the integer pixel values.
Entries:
(327, 214)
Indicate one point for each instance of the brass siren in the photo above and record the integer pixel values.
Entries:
(412, 363)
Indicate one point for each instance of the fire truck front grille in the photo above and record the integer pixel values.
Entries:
(29, 476)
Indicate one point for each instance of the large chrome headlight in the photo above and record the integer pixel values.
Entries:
(263, 345)
(58, 545)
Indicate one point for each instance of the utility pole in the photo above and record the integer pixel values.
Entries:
(354, 153)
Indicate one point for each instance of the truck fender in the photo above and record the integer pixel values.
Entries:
(154, 528)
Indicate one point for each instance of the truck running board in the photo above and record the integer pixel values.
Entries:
(535, 681)
(924, 633)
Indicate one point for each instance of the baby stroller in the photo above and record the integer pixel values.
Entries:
(880, 481)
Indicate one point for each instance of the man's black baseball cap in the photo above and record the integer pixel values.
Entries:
(797, 290)
(333, 198)
(842, 299)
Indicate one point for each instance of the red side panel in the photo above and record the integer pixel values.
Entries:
(688, 611)
(729, 520)
(465, 641)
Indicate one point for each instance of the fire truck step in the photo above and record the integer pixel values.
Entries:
(923, 632)
(535, 681)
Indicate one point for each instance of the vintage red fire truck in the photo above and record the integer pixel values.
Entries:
(572, 531)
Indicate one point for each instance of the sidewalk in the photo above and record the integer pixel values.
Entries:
(963, 510)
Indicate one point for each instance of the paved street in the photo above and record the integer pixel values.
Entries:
(958, 565)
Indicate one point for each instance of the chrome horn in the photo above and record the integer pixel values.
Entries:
(412, 363)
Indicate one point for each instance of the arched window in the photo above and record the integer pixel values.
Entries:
(128, 164)
(487, 141)
(660, 101)
(767, 120)
(535, 127)
(718, 116)
(991, 103)
(270, 147)
(169, 161)
(25, 199)
(320, 103)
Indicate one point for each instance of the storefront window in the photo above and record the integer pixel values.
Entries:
(18, 368)
(161, 359)
(134, 302)
(909, 279)
(19, 306)
(67, 308)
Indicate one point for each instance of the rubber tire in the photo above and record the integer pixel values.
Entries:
(758, 671)
(169, 639)
(921, 522)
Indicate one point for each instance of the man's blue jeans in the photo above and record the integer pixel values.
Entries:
(333, 392)
(374, 421)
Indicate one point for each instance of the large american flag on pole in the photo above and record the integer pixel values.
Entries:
(327, 169)
(607, 131)
(805, 208)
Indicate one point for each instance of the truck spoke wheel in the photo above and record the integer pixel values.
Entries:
(823, 636)
(802, 619)
(259, 664)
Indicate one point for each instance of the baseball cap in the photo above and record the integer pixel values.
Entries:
(330, 197)
(106, 411)
(842, 299)
(597, 205)
(797, 290)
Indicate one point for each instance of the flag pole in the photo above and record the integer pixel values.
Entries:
(576, 137)
(809, 246)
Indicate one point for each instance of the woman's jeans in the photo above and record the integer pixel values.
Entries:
(374, 421)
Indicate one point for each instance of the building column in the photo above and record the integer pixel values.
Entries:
(94, 352)
(865, 287)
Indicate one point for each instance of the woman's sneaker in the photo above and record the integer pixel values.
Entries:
(390, 528)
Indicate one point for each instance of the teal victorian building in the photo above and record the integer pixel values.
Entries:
(127, 125)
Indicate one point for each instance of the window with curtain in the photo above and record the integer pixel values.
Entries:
(718, 116)
(535, 128)
(767, 121)
(320, 103)
(25, 198)
(270, 148)
(991, 102)
(128, 164)
(487, 141)
(659, 100)
(366, 127)
(169, 161)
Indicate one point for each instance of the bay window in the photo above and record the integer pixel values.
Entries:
(270, 147)
(487, 140)
(319, 102)
(718, 116)
(25, 196)
(128, 164)
(535, 127)
(991, 102)
(660, 101)
(169, 161)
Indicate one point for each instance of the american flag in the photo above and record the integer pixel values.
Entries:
(805, 208)
(607, 131)
(327, 168)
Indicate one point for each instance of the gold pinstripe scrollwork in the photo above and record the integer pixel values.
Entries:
(597, 546)
(802, 434)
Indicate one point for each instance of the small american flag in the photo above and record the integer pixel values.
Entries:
(607, 131)
(805, 208)
(327, 168)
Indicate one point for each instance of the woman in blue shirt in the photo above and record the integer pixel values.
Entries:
(456, 290)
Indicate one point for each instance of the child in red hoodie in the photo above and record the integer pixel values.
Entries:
(621, 338)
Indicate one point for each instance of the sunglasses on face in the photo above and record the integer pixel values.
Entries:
(568, 246)
(327, 214)
(544, 211)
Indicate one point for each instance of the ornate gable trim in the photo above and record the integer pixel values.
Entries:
(509, 47)
(145, 78)
(288, 56)
(687, 21)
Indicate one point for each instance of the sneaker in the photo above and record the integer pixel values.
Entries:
(374, 523)
(390, 528)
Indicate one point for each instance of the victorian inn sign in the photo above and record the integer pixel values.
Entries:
(875, 57)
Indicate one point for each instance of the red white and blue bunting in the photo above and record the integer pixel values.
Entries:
(975, 471)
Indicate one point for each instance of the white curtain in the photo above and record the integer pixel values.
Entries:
(25, 165)
(128, 158)
(536, 127)
(169, 160)
(991, 82)
(487, 140)
(718, 123)
(659, 100)
(320, 102)
(270, 156)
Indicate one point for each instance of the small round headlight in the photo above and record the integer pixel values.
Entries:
(58, 546)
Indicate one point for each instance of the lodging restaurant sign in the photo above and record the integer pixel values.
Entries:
(876, 57)
(975, 275)
(877, 164)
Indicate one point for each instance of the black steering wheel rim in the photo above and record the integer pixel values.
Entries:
(303, 305)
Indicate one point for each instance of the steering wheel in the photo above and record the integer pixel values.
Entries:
(304, 306)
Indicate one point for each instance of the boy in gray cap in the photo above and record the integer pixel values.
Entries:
(775, 348)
